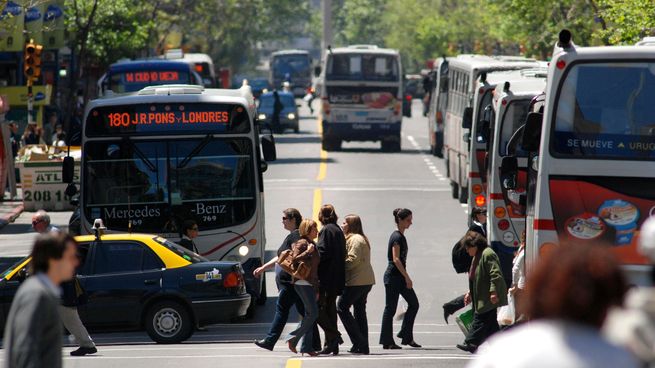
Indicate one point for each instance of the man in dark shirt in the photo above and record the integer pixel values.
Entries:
(287, 294)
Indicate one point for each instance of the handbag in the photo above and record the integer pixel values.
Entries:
(299, 269)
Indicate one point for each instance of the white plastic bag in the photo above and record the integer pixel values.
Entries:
(507, 313)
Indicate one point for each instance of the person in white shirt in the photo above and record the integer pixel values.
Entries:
(518, 280)
(568, 297)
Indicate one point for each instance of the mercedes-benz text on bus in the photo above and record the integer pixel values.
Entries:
(361, 93)
(167, 154)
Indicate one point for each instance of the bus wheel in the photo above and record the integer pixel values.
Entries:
(463, 195)
(454, 189)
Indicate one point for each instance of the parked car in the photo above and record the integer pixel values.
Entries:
(139, 281)
(288, 115)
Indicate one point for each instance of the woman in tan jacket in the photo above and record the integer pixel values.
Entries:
(359, 282)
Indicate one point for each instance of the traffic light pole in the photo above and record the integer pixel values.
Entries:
(30, 102)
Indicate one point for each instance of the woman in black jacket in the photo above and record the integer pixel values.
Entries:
(332, 276)
(189, 232)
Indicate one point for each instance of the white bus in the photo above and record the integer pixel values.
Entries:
(506, 208)
(464, 108)
(592, 153)
(201, 63)
(361, 89)
(166, 154)
(438, 104)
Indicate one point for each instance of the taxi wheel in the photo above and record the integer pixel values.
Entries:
(168, 322)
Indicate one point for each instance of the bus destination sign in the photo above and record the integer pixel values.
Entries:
(152, 76)
(157, 118)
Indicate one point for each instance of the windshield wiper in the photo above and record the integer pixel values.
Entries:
(152, 167)
(195, 151)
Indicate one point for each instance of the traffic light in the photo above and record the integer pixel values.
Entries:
(32, 61)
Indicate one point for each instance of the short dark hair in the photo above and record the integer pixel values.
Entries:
(478, 211)
(294, 214)
(188, 225)
(575, 282)
(46, 247)
(473, 239)
(327, 215)
(401, 214)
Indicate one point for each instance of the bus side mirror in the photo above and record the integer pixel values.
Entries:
(68, 170)
(532, 132)
(509, 169)
(317, 71)
(268, 147)
(467, 119)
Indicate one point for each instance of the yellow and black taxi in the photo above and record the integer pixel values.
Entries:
(138, 281)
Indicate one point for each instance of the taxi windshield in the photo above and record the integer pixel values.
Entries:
(181, 251)
(10, 269)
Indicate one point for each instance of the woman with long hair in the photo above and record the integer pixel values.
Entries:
(306, 289)
(398, 283)
(487, 291)
(359, 282)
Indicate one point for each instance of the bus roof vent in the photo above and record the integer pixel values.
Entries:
(647, 41)
(173, 89)
(363, 47)
(174, 54)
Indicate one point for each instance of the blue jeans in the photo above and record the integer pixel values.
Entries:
(306, 326)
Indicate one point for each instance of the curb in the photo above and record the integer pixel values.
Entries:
(11, 216)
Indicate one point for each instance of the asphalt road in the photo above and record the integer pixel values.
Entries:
(359, 179)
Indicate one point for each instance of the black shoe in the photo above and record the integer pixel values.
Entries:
(411, 343)
(391, 347)
(81, 351)
(330, 349)
(354, 350)
(446, 314)
(264, 344)
(466, 347)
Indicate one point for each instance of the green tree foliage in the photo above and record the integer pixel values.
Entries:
(626, 21)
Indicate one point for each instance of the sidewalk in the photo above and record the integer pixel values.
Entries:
(9, 211)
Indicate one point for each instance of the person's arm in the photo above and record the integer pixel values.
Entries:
(496, 281)
(323, 239)
(354, 252)
(307, 253)
(395, 254)
(259, 270)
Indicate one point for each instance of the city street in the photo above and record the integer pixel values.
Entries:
(362, 180)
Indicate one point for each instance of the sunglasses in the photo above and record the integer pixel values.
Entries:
(194, 228)
(34, 223)
(286, 218)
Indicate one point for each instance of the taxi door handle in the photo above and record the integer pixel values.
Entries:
(151, 282)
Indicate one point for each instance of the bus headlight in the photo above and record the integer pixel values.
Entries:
(261, 116)
(243, 250)
(291, 116)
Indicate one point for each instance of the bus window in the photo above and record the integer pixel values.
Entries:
(513, 118)
(605, 111)
(362, 67)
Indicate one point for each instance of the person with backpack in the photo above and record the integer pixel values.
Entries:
(461, 259)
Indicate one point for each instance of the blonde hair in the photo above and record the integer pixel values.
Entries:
(306, 227)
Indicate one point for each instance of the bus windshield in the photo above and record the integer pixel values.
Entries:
(294, 66)
(513, 118)
(136, 80)
(159, 183)
(604, 110)
(369, 67)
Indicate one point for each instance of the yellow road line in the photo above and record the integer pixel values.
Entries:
(318, 201)
(322, 167)
(294, 363)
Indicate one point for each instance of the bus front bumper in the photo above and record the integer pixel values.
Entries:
(361, 131)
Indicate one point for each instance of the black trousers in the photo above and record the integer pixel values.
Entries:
(483, 326)
(454, 305)
(357, 325)
(393, 290)
(327, 316)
